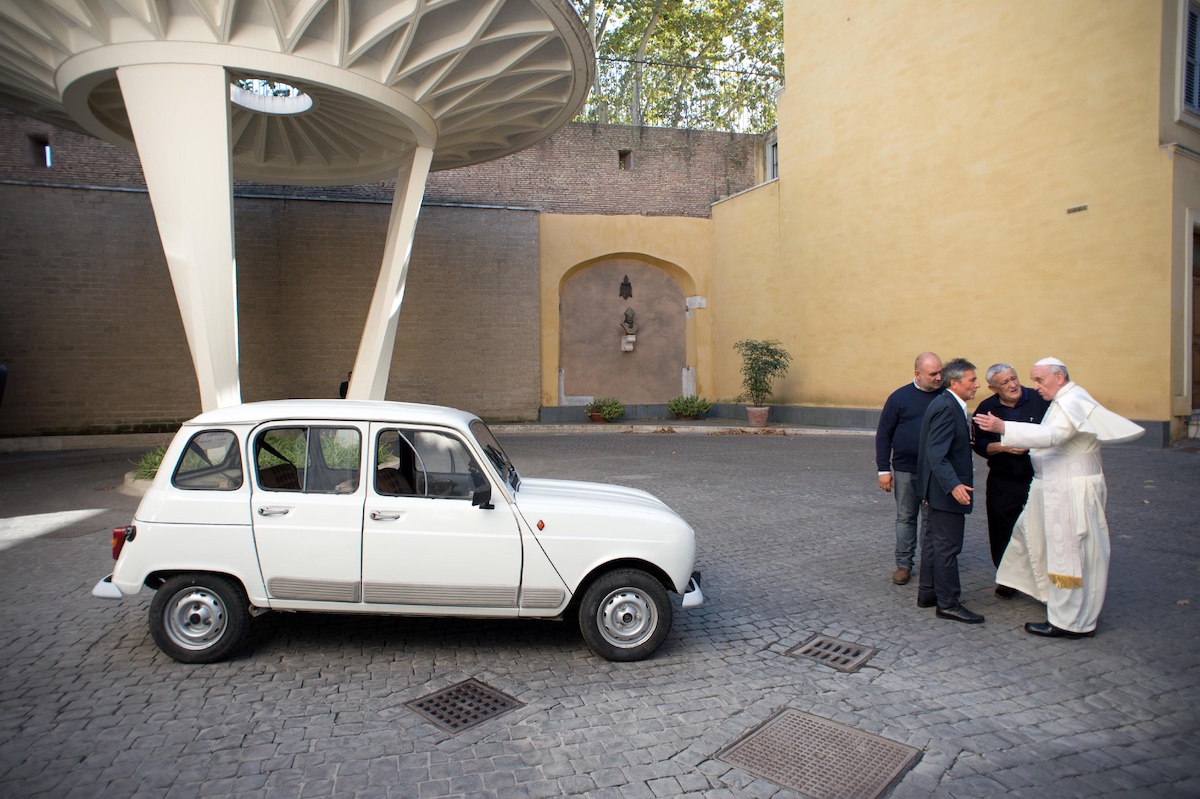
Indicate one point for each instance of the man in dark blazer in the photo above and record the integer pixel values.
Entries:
(945, 480)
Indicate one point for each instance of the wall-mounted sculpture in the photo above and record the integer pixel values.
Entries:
(628, 330)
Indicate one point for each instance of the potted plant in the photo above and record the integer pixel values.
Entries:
(689, 407)
(605, 409)
(762, 362)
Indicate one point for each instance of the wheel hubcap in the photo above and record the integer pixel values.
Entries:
(627, 617)
(195, 618)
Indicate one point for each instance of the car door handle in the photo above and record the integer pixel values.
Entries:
(385, 516)
(274, 511)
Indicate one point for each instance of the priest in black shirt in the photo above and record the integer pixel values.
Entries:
(1009, 469)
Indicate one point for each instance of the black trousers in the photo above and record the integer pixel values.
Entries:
(939, 558)
(1006, 498)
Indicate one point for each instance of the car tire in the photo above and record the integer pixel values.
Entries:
(625, 615)
(199, 618)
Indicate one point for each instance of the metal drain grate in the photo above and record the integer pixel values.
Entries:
(833, 652)
(819, 758)
(464, 705)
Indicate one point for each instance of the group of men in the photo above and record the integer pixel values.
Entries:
(1045, 487)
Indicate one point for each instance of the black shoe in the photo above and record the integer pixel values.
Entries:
(926, 603)
(1004, 592)
(959, 613)
(1050, 631)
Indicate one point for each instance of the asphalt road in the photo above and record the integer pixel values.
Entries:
(794, 538)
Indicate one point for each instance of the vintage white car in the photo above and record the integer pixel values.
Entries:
(280, 506)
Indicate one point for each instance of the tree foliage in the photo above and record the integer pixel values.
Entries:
(708, 64)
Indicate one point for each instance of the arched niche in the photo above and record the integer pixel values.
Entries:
(648, 370)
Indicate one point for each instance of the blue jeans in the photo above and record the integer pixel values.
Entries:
(908, 507)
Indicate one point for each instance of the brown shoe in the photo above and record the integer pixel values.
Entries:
(900, 576)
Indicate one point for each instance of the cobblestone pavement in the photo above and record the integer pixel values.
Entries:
(794, 539)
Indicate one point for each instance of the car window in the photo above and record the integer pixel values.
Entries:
(212, 461)
(314, 460)
(425, 463)
(491, 447)
(396, 466)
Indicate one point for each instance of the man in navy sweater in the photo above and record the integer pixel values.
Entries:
(897, 440)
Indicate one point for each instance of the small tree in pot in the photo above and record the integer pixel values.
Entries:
(762, 362)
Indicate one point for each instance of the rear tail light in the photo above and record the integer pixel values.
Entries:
(119, 536)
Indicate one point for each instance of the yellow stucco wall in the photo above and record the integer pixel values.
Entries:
(928, 155)
(746, 301)
(682, 247)
(1180, 131)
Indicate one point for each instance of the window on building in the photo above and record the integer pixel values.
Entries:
(39, 150)
(1191, 60)
(770, 152)
(624, 159)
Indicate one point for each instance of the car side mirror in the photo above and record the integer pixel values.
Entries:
(482, 496)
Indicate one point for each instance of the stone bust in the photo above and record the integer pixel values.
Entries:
(628, 326)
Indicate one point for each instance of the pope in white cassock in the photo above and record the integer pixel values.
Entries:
(1059, 551)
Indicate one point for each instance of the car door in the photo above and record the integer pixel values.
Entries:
(307, 502)
(425, 544)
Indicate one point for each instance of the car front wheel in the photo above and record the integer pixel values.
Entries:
(625, 615)
(199, 618)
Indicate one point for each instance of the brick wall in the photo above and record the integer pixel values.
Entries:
(89, 326)
(575, 171)
(578, 171)
(91, 334)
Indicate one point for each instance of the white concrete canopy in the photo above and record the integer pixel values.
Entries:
(392, 88)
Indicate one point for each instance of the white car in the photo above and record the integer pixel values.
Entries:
(280, 506)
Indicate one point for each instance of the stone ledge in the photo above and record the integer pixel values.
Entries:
(56, 443)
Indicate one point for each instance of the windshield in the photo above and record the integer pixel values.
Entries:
(495, 453)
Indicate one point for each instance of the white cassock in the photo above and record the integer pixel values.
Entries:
(1059, 551)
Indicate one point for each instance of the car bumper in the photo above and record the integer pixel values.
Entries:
(693, 597)
(106, 590)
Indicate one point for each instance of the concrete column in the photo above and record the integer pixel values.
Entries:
(374, 360)
(179, 114)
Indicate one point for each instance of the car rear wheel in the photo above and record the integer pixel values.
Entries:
(199, 618)
(625, 615)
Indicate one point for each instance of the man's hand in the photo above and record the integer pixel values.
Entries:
(962, 494)
(885, 481)
(989, 422)
(996, 448)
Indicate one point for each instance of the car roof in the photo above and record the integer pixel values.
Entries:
(336, 410)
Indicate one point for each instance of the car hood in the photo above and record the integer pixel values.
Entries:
(544, 494)
(583, 526)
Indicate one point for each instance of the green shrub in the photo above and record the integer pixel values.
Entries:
(145, 467)
(690, 405)
(608, 407)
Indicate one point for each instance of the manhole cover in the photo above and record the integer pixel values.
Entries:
(819, 758)
(832, 652)
(464, 705)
